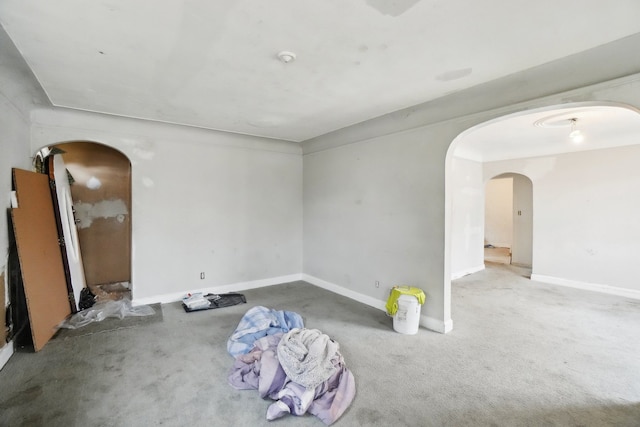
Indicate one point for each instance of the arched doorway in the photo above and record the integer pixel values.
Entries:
(539, 144)
(508, 220)
(101, 195)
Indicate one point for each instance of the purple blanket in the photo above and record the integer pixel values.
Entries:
(260, 370)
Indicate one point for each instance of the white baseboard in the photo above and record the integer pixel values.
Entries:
(235, 287)
(606, 289)
(426, 321)
(467, 271)
(436, 325)
(340, 290)
(5, 353)
(521, 264)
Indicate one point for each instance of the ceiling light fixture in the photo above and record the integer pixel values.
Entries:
(576, 136)
(286, 57)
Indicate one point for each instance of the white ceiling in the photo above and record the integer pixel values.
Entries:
(544, 133)
(213, 64)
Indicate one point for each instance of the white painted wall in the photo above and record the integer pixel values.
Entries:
(203, 201)
(467, 217)
(374, 211)
(14, 134)
(19, 92)
(336, 228)
(586, 227)
(14, 146)
(498, 211)
(395, 234)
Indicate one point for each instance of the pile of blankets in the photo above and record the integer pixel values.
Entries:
(301, 369)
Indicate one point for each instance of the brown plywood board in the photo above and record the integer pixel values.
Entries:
(40, 256)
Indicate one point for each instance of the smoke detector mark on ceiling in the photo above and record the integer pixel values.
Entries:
(266, 122)
(454, 74)
(286, 56)
(392, 8)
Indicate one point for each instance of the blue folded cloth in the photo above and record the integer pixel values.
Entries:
(258, 322)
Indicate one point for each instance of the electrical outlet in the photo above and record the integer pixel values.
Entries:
(377, 284)
(202, 275)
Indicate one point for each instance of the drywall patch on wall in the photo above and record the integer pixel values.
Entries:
(94, 183)
(147, 182)
(454, 74)
(142, 149)
(143, 154)
(87, 212)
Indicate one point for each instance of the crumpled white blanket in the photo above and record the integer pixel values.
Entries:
(307, 356)
(260, 370)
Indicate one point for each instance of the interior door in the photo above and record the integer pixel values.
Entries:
(39, 255)
(68, 232)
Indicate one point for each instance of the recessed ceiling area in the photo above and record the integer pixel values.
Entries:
(547, 132)
(215, 65)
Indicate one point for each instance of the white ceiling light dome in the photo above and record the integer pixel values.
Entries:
(576, 135)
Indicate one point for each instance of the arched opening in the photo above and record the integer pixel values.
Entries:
(508, 220)
(98, 207)
(581, 193)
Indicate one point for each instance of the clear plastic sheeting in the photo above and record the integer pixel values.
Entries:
(102, 310)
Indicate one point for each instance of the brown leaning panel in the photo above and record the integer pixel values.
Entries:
(40, 257)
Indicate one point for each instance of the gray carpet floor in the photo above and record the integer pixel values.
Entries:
(521, 354)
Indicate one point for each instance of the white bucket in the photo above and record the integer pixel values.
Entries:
(407, 318)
